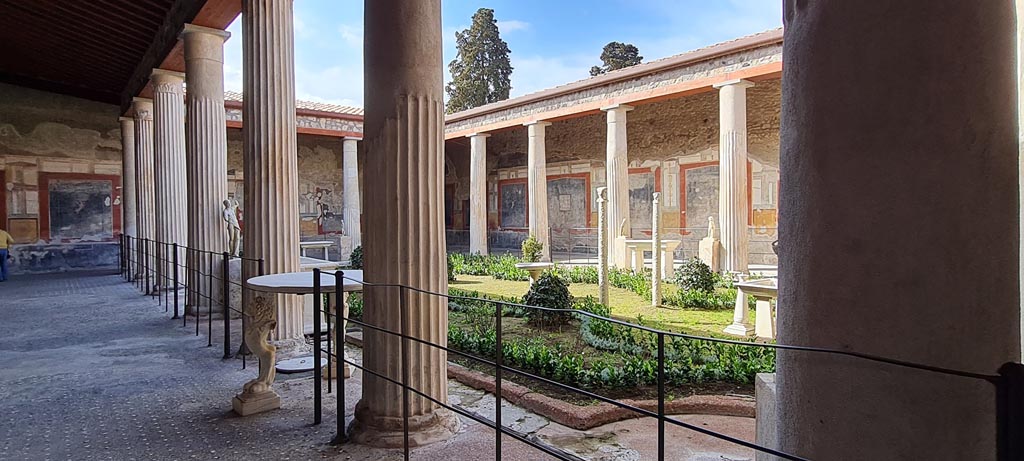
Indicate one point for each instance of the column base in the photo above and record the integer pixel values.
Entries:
(247, 403)
(739, 329)
(386, 431)
(334, 370)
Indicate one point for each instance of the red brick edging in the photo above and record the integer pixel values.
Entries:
(585, 417)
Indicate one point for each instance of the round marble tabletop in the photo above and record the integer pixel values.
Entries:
(301, 283)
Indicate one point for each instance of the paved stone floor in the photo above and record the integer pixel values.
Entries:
(90, 369)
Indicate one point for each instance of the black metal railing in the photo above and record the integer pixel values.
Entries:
(165, 271)
(1008, 380)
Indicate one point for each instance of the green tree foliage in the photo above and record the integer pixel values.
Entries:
(481, 71)
(551, 292)
(617, 55)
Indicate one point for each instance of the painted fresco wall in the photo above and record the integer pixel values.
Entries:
(321, 189)
(673, 149)
(60, 160)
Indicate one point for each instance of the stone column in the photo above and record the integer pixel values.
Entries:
(145, 187)
(478, 193)
(128, 199)
(1020, 132)
(406, 243)
(207, 152)
(656, 254)
(899, 228)
(732, 173)
(602, 245)
(271, 209)
(537, 185)
(617, 180)
(352, 213)
(169, 169)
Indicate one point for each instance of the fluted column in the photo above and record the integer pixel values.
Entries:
(478, 193)
(404, 148)
(169, 168)
(352, 212)
(128, 199)
(537, 185)
(145, 185)
(206, 152)
(271, 228)
(732, 173)
(898, 227)
(617, 176)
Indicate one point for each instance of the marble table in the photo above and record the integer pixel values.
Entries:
(320, 244)
(637, 247)
(301, 283)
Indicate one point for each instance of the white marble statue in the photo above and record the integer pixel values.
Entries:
(712, 232)
(230, 216)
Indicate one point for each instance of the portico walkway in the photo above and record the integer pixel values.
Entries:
(89, 369)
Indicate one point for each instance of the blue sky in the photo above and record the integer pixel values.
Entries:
(552, 41)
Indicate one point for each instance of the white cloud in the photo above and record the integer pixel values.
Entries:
(535, 73)
(352, 35)
(512, 26)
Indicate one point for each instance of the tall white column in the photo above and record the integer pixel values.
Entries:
(352, 211)
(732, 173)
(207, 152)
(602, 245)
(656, 254)
(478, 193)
(271, 209)
(898, 227)
(617, 175)
(404, 148)
(128, 199)
(145, 186)
(537, 185)
(169, 169)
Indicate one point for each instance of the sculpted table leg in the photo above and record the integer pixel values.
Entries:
(257, 395)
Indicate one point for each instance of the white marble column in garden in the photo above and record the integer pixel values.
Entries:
(732, 183)
(404, 126)
(537, 185)
(352, 212)
(478, 193)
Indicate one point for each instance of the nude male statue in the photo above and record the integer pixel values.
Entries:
(231, 220)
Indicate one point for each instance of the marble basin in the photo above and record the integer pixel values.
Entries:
(761, 288)
(535, 269)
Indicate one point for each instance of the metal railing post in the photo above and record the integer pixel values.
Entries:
(499, 355)
(226, 298)
(317, 373)
(661, 392)
(145, 262)
(128, 242)
(175, 263)
(209, 301)
(404, 357)
(339, 341)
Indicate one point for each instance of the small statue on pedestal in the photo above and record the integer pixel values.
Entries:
(230, 216)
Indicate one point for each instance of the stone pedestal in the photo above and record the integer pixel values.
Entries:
(206, 148)
(741, 316)
(767, 418)
(246, 404)
(404, 126)
(898, 226)
(537, 185)
(732, 174)
(478, 193)
(352, 211)
(617, 174)
(169, 169)
(708, 251)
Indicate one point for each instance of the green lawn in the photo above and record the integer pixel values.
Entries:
(625, 305)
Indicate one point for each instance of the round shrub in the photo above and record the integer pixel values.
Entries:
(356, 258)
(694, 275)
(532, 249)
(552, 292)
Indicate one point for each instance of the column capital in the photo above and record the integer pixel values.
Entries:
(351, 138)
(537, 123)
(618, 107)
(142, 108)
(167, 80)
(479, 135)
(126, 119)
(735, 82)
(194, 29)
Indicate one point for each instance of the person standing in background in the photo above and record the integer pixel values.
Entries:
(5, 247)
